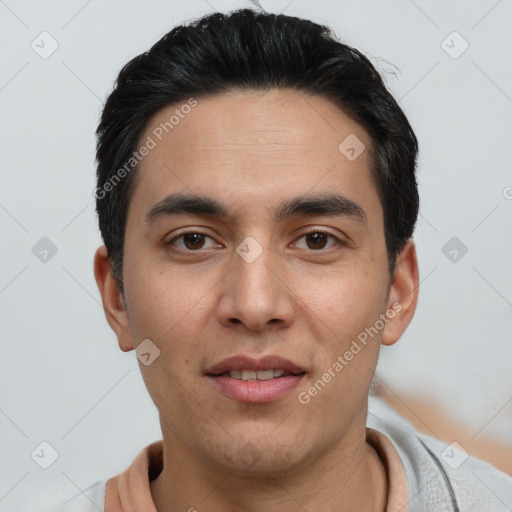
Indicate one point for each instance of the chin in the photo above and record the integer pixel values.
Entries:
(260, 455)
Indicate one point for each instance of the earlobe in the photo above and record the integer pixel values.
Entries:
(113, 303)
(403, 294)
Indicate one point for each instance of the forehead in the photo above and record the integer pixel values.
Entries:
(256, 147)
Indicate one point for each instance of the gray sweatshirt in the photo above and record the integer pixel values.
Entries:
(441, 477)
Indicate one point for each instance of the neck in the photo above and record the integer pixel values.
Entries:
(349, 476)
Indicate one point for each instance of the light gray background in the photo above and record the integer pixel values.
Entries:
(64, 380)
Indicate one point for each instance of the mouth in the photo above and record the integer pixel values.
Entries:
(257, 375)
(250, 380)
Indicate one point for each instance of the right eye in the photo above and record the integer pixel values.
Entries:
(191, 241)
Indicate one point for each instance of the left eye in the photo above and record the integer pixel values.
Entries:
(319, 239)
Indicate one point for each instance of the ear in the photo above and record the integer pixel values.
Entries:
(403, 294)
(113, 303)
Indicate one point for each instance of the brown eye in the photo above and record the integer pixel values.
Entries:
(317, 240)
(190, 242)
(193, 240)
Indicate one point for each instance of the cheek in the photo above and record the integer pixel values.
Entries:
(168, 310)
(341, 303)
(163, 302)
(347, 349)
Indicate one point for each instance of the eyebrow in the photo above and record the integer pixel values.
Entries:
(318, 205)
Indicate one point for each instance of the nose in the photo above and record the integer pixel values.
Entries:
(257, 293)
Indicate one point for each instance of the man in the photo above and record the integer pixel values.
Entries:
(257, 198)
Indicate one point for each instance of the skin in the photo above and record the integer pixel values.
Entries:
(303, 299)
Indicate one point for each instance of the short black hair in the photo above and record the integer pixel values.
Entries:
(247, 50)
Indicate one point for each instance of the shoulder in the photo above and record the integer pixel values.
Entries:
(91, 500)
(476, 484)
(441, 476)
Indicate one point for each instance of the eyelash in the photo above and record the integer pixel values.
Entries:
(313, 231)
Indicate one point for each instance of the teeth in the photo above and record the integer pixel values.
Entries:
(265, 374)
(259, 375)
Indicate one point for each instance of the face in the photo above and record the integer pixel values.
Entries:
(285, 257)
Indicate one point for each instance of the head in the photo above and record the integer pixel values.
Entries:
(248, 131)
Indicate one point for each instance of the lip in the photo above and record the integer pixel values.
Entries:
(244, 362)
(255, 391)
